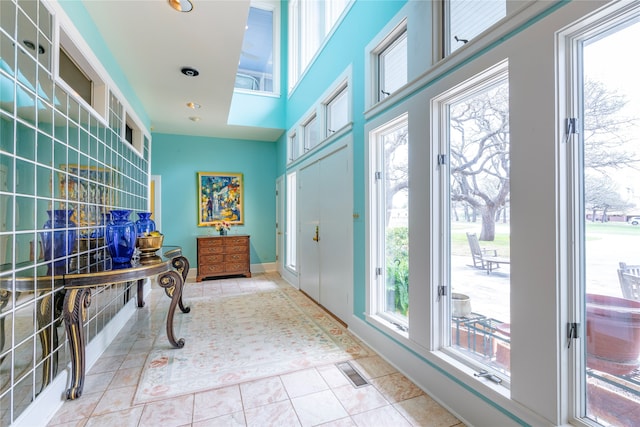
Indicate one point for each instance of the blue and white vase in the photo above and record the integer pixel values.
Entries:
(120, 235)
(60, 236)
(145, 224)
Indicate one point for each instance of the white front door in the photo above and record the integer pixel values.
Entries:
(336, 233)
(309, 231)
(325, 206)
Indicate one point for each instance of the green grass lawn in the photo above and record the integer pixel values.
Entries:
(460, 245)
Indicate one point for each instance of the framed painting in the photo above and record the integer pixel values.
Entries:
(220, 198)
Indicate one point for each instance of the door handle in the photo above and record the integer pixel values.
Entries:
(317, 236)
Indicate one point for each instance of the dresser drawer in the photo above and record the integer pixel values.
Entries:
(209, 243)
(235, 267)
(235, 249)
(210, 269)
(235, 241)
(208, 259)
(236, 257)
(210, 250)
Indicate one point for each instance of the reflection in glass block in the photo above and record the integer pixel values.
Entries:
(44, 181)
(25, 141)
(25, 178)
(45, 118)
(59, 126)
(6, 130)
(44, 149)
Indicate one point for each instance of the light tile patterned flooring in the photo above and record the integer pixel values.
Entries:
(317, 396)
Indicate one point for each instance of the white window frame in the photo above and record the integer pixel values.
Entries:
(325, 16)
(99, 90)
(400, 34)
(274, 8)
(571, 170)
(342, 94)
(441, 178)
(291, 254)
(310, 126)
(375, 245)
(292, 146)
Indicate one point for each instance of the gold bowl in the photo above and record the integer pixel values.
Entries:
(148, 245)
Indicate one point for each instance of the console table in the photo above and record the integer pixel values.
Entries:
(223, 256)
(170, 267)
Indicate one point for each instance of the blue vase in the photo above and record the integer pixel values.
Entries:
(59, 239)
(145, 224)
(121, 236)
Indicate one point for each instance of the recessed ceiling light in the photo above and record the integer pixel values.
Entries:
(193, 105)
(194, 118)
(189, 72)
(181, 5)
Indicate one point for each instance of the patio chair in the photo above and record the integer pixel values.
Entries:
(477, 253)
(629, 276)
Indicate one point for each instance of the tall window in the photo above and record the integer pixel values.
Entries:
(468, 18)
(256, 67)
(604, 144)
(292, 221)
(474, 172)
(392, 65)
(310, 21)
(338, 111)
(391, 219)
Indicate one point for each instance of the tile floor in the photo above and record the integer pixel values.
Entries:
(317, 396)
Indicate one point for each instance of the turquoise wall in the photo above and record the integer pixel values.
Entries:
(346, 48)
(256, 110)
(178, 159)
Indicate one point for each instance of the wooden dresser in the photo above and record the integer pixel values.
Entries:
(223, 256)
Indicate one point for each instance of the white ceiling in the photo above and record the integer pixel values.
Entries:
(152, 42)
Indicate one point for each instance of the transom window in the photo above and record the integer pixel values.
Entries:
(311, 137)
(392, 66)
(468, 18)
(337, 111)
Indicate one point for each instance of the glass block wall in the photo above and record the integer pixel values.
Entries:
(56, 152)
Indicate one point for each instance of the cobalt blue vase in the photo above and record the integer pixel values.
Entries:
(145, 224)
(120, 235)
(60, 236)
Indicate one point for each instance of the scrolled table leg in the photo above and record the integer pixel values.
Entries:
(48, 339)
(172, 283)
(76, 302)
(182, 265)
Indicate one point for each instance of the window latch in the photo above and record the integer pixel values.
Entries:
(572, 332)
(483, 373)
(442, 291)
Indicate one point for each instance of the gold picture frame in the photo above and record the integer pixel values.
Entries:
(220, 198)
